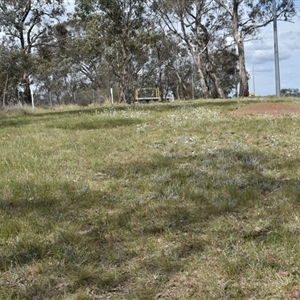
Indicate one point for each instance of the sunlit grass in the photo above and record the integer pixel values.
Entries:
(171, 201)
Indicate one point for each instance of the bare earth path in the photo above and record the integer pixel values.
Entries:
(270, 109)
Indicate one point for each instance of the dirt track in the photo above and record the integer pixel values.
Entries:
(270, 109)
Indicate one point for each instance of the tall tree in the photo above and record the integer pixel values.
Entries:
(247, 17)
(27, 25)
(77, 62)
(10, 69)
(197, 24)
(159, 64)
(122, 25)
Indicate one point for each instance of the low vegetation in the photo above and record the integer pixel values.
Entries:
(181, 200)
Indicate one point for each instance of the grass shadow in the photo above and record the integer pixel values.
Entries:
(207, 186)
(96, 124)
(24, 118)
(16, 122)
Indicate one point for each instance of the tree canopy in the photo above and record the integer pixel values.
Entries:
(27, 26)
(189, 48)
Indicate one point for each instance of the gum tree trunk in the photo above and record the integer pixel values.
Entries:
(243, 78)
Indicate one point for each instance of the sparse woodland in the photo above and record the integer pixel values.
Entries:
(187, 48)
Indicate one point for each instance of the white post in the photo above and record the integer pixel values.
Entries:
(32, 100)
(50, 98)
(112, 95)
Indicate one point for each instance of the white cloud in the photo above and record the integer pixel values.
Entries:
(70, 5)
(260, 57)
(291, 39)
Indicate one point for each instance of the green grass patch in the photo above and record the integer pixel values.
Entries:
(171, 201)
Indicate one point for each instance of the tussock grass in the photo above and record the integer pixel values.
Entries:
(171, 201)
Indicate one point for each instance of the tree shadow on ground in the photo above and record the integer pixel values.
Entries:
(97, 124)
(28, 118)
(186, 193)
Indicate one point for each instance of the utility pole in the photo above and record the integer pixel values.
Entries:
(276, 52)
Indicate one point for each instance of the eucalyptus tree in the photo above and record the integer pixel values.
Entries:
(247, 17)
(10, 68)
(226, 60)
(86, 53)
(168, 67)
(162, 54)
(27, 24)
(77, 62)
(197, 24)
(290, 92)
(122, 26)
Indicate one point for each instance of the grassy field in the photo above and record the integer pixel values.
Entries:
(163, 201)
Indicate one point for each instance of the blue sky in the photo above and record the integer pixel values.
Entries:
(260, 58)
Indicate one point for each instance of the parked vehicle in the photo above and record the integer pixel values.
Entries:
(145, 95)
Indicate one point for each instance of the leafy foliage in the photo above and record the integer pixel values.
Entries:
(181, 47)
(27, 25)
(290, 92)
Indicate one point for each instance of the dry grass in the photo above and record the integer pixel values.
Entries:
(168, 201)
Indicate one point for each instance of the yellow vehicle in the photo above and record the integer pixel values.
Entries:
(147, 95)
